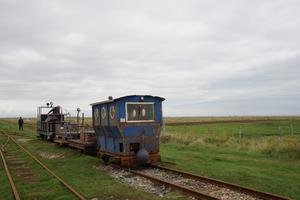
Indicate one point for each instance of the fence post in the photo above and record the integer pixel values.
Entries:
(209, 131)
(280, 134)
(240, 134)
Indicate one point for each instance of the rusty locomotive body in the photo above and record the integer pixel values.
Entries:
(127, 128)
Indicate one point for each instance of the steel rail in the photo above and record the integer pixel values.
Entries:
(186, 190)
(11, 181)
(192, 192)
(70, 188)
(2, 147)
(237, 188)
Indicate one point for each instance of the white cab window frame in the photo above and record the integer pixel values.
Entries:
(135, 121)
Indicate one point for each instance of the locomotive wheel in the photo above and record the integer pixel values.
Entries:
(105, 159)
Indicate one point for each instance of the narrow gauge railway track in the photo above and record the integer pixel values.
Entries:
(202, 187)
(14, 189)
(208, 189)
(10, 179)
(184, 189)
(237, 188)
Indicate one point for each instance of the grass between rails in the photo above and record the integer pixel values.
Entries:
(42, 185)
(5, 186)
(79, 170)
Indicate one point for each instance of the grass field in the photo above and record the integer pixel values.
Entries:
(77, 169)
(279, 138)
(229, 118)
(264, 155)
(260, 159)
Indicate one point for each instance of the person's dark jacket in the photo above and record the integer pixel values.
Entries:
(20, 122)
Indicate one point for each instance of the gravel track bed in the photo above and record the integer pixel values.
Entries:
(135, 181)
(212, 190)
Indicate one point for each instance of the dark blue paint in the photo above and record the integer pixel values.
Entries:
(110, 136)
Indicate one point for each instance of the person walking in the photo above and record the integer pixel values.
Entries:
(20, 122)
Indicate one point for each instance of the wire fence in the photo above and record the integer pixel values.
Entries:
(246, 130)
(272, 137)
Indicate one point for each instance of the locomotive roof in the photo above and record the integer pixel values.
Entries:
(116, 99)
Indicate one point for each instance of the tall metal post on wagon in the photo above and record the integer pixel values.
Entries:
(78, 119)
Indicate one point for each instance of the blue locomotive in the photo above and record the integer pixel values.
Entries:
(128, 128)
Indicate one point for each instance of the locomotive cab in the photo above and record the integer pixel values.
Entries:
(48, 120)
(129, 128)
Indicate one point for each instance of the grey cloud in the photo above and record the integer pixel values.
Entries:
(204, 57)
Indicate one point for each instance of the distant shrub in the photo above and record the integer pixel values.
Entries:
(165, 138)
(219, 139)
(273, 145)
(185, 138)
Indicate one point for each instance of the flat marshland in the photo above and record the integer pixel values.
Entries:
(83, 172)
(263, 154)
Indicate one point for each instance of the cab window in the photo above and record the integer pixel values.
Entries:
(136, 112)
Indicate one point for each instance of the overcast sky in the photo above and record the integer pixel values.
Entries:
(207, 58)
